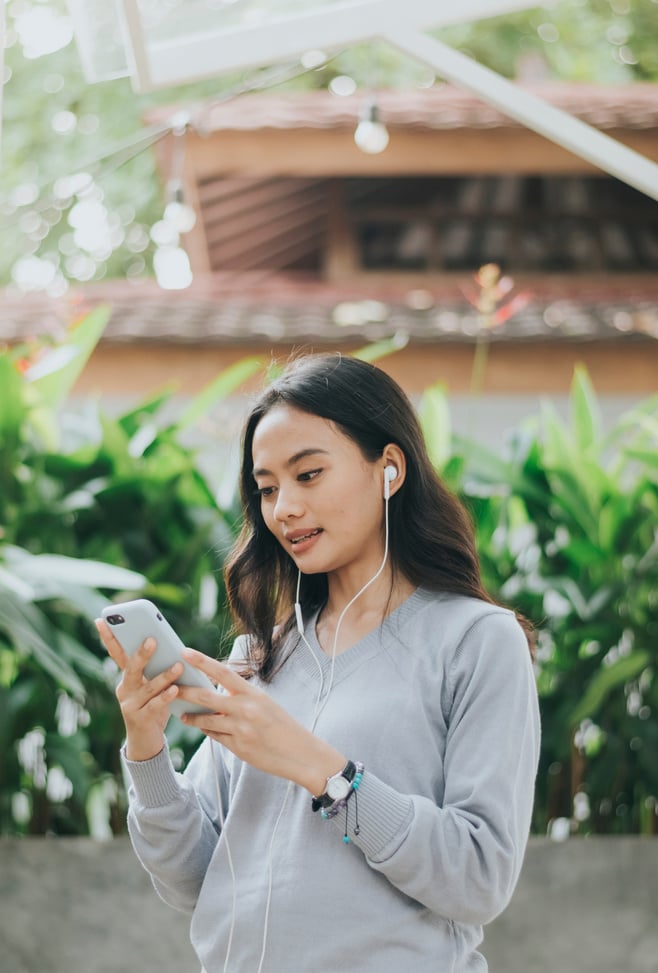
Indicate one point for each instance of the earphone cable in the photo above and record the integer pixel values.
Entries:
(270, 873)
(229, 857)
(320, 703)
(351, 602)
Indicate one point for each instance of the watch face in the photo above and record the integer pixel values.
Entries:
(338, 788)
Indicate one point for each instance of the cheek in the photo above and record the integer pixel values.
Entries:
(267, 513)
(358, 506)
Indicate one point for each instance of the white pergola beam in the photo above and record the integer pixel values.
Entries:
(401, 23)
(559, 126)
(185, 59)
(134, 41)
(2, 63)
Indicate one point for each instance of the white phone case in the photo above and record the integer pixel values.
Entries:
(131, 622)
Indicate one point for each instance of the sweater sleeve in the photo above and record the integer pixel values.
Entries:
(173, 820)
(462, 858)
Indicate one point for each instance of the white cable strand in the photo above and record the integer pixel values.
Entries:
(229, 857)
(270, 872)
(348, 606)
(320, 704)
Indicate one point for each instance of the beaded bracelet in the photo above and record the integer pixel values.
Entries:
(338, 806)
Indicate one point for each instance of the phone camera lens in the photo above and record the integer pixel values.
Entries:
(158, 616)
(115, 619)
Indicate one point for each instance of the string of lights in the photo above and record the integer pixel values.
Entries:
(78, 195)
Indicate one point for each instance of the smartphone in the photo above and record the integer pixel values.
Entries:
(134, 621)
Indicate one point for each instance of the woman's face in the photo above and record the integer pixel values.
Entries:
(320, 497)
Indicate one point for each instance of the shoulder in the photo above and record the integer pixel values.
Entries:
(457, 615)
(240, 657)
(463, 632)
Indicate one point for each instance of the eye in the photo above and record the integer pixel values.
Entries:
(308, 475)
(266, 491)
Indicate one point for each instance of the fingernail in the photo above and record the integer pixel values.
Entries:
(149, 644)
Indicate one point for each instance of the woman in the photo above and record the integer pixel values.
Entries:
(362, 799)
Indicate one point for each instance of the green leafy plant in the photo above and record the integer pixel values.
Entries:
(94, 508)
(91, 510)
(567, 532)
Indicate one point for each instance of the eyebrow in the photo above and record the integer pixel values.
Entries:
(295, 458)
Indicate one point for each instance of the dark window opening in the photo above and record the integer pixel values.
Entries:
(537, 224)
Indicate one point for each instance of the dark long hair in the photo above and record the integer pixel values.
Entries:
(431, 539)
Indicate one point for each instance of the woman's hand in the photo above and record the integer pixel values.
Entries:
(144, 702)
(256, 729)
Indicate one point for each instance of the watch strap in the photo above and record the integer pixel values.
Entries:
(324, 800)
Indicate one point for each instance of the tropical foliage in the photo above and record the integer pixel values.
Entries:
(94, 508)
(567, 527)
(91, 508)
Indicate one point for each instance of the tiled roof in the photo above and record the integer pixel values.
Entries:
(633, 106)
(252, 309)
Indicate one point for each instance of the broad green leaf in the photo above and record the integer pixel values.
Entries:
(585, 413)
(224, 385)
(71, 570)
(84, 661)
(115, 448)
(517, 513)
(582, 552)
(380, 349)
(558, 445)
(567, 494)
(434, 415)
(131, 421)
(606, 680)
(563, 455)
(646, 456)
(484, 466)
(12, 409)
(32, 633)
(55, 374)
(18, 586)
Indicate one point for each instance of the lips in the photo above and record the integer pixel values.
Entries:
(298, 537)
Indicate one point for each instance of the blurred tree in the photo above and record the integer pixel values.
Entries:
(79, 191)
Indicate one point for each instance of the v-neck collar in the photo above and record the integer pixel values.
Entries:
(368, 646)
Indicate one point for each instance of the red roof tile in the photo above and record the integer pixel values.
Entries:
(444, 106)
(252, 309)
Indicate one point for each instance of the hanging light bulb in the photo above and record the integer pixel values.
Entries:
(371, 134)
(177, 212)
(172, 268)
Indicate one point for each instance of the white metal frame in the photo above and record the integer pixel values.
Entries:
(280, 38)
(2, 63)
(400, 23)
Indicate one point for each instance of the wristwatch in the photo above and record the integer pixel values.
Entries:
(337, 787)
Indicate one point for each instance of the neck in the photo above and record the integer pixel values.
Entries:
(343, 587)
(337, 628)
(379, 598)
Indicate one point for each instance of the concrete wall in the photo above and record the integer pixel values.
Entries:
(76, 906)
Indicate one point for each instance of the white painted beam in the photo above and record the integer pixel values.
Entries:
(185, 59)
(3, 23)
(559, 126)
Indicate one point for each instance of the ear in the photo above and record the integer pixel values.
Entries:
(393, 456)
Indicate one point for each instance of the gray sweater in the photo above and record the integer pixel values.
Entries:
(440, 706)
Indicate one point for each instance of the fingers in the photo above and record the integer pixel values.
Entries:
(134, 687)
(218, 672)
(134, 678)
(114, 649)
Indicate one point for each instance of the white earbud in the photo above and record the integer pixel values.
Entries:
(390, 474)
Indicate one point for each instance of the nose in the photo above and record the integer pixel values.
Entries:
(288, 503)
